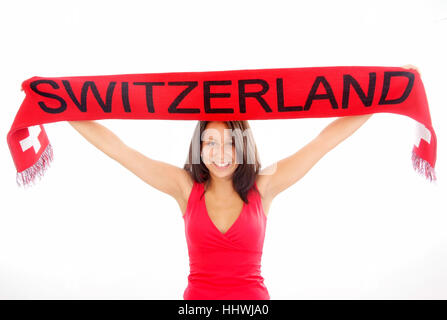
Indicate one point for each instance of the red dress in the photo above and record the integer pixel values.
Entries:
(225, 266)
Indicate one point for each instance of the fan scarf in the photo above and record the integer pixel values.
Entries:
(255, 94)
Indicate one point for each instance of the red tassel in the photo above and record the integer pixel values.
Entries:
(28, 176)
(423, 167)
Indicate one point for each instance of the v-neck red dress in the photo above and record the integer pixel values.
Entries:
(225, 266)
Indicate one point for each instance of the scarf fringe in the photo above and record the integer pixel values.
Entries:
(423, 167)
(28, 176)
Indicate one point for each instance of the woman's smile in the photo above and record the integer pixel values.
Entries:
(224, 166)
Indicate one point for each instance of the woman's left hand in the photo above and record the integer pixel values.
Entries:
(410, 66)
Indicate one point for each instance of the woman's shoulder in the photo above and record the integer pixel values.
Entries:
(187, 184)
(261, 184)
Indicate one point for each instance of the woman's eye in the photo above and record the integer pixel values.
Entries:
(212, 143)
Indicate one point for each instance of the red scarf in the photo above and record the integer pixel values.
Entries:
(218, 95)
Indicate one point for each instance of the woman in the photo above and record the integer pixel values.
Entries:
(224, 197)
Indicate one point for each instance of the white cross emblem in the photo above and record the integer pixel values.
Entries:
(422, 133)
(32, 140)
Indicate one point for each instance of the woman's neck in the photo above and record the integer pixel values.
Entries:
(221, 187)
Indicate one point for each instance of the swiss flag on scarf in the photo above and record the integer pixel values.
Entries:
(33, 152)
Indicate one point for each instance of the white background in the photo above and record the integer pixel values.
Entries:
(362, 224)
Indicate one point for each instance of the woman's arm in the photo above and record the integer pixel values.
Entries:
(160, 175)
(291, 169)
(340, 129)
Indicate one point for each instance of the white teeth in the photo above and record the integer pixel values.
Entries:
(221, 165)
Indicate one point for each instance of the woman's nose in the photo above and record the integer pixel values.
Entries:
(224, 153)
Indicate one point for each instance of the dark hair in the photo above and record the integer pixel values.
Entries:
(245, 174)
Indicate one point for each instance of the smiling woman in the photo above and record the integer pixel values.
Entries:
(224, 218)
(229, 142)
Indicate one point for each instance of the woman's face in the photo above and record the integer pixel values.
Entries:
(218, 150)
